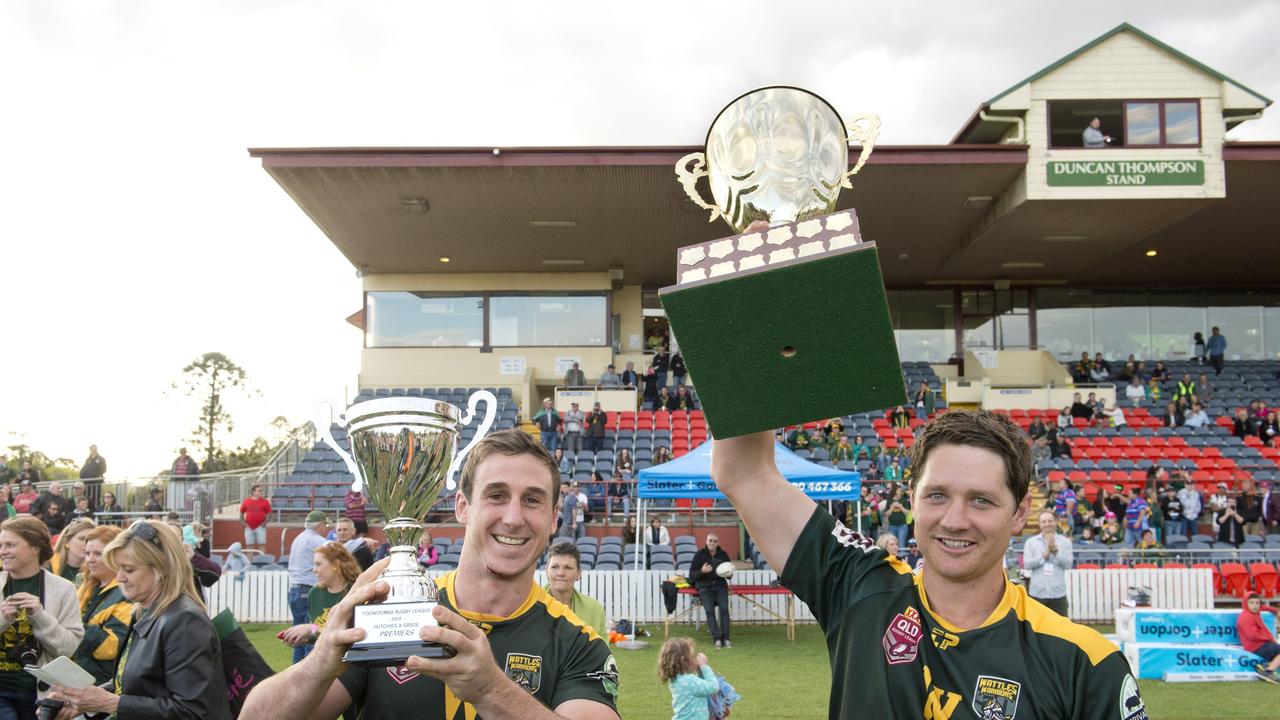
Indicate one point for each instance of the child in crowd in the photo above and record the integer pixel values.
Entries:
(689, 677)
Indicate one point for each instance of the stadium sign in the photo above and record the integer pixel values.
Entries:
(1095, 173)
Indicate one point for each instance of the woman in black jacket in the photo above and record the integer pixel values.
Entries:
(153, 571)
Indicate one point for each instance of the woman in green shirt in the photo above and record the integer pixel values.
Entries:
(68, 552)
(6, 497)
(336, 570)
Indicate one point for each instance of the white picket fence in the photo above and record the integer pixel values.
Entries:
(262, 596)
(1094, 595)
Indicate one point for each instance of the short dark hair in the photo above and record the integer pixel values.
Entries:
(980, 429)
(510, 443)
(565, 548)
(33, 532)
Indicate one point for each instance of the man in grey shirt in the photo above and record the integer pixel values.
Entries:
(302, 570)
(573, 421)
(1047, 557)
(1093, 137)
(610, 378)
(1189, 496)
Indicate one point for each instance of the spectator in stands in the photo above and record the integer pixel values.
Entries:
(843, 451)
(353, 539)
(6, 502)
(798, 438)
(109, 510)
(678, 370)
(564, 570)
(574, 420)
(549, 422)
(1136, 516)
(683, 399)
(1099, 362)
(1047, 557)
(629, 377)
(1115, 415)
(1064, 504)
(1185, 389)
(1098, 374)
(649, 395)
(1231, 525)
(205, 572)
(1172, 418)
(255, 512)
(356, 510)
(39, 613)
(713, 590)
(1160, 373)
(610, 378)
(1093, 137)
(1080, 371)
(302, 571)
(923, 401)
(236, 560)
(629, 536)
(155, 503)
(1242, 425)
(661, 364)
(584, 508)
(618, 491)
(1080, 410)
(565, 464)
(1171, 511)
(428, 553)
(1191, 501)
(1256, 638)
(1155, 517)
(1087, 536)
(1249, 505)
(574, 377)
(888, 542)
(104, 610)
(1064, 419)
(26, 495)
(30, 474)
(1269, 429)
(661, 454)
(1037, 428)
(1148, 541)
(869, 513)
(623, 464)
(900, 418)
(1218, 502)
(894, 472)
(82, 511)
(596, 424)
(1204, 389)
(689, 677)
(172, 666)
(184, 467)
(336, 570)
(1111, 534)
(53, 517)
(664, 401)
(1271, 509)
(896, 512)
(68, 551)
(201, 532)
(568, 512)
(1217, 347)
(1134, 392)
(92, 473)
(7, 473)
(54, 492)
(656, 533)
(1059, 448)
(1198, 417)
(1198, 348)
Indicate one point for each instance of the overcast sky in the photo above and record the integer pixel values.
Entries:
(136, 233)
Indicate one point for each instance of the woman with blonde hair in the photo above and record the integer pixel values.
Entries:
(105, 611)
(171, 664)
(68, 552)
(336, 571)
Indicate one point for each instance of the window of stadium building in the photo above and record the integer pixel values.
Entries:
(923, 324)
(1134, 123)
(423, 319)
(548, 320)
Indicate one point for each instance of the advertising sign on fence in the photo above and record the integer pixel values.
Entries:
(1192, 627)
(1151, 661)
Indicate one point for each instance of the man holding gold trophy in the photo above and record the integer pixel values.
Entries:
(958, 638)
(481, 641)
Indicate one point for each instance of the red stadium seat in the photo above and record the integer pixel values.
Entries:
(1117, 566)
(1235, 578)
(1175, 566)
(1088, 566)
(1146, 566)
(1264, 578)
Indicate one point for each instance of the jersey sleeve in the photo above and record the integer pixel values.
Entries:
(831, 566)
(588, 672)
(355, 679)
(1109, 692)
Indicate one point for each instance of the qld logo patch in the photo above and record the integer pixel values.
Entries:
(995, 698)
(902, 638)
(525, 671)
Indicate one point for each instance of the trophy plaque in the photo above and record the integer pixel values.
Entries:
(791, 323)
(404, 452)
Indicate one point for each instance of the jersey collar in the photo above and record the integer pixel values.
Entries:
(1002, 608)
(446, 583)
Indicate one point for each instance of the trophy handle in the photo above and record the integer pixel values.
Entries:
(489, 417)
(863, 129)
(689, 179)
(326, 434)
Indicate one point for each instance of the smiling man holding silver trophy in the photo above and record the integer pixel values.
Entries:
(484, 640)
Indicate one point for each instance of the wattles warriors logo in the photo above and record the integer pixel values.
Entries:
(525, 670)
(902, 638)
(995, 698)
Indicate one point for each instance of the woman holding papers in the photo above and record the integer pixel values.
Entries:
(171, 663)
(104, 609)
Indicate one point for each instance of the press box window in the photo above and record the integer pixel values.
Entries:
(1162, 123)
(422, 319)
(547, 320)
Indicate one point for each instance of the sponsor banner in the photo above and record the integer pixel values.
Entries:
(1152, 661)
(1102, 172)
(705, 488)
(1189, 627)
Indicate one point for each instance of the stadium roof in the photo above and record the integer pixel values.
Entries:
(399, 210)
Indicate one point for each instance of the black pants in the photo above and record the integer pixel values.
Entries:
(1216, 362)
(712, 597)
(595, 444)
(1058, 605)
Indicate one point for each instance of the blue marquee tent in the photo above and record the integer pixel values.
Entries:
(689, 476)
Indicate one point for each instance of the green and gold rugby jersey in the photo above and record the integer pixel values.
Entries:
(542, 646)
(892, 657)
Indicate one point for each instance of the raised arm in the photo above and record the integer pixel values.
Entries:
(773, 510)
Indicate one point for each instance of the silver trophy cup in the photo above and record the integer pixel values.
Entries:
(404, 452)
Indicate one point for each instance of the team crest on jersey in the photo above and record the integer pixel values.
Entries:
(401, 674)
(851, 539)
(943, 639)
(608, 677)
(902, 638)
(525, 671)
(1131, 705)
(995, 698)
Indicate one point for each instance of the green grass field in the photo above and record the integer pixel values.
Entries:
(780, 680)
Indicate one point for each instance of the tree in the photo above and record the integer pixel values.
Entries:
(210, 376)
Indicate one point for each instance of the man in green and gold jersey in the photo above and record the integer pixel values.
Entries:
(520, 652)
(957, 640)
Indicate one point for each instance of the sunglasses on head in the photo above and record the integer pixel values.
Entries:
(146, 532)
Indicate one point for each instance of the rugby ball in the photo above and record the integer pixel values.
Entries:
(725, 570)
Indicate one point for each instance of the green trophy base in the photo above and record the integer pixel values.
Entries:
(785, 326)
(394, 653)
